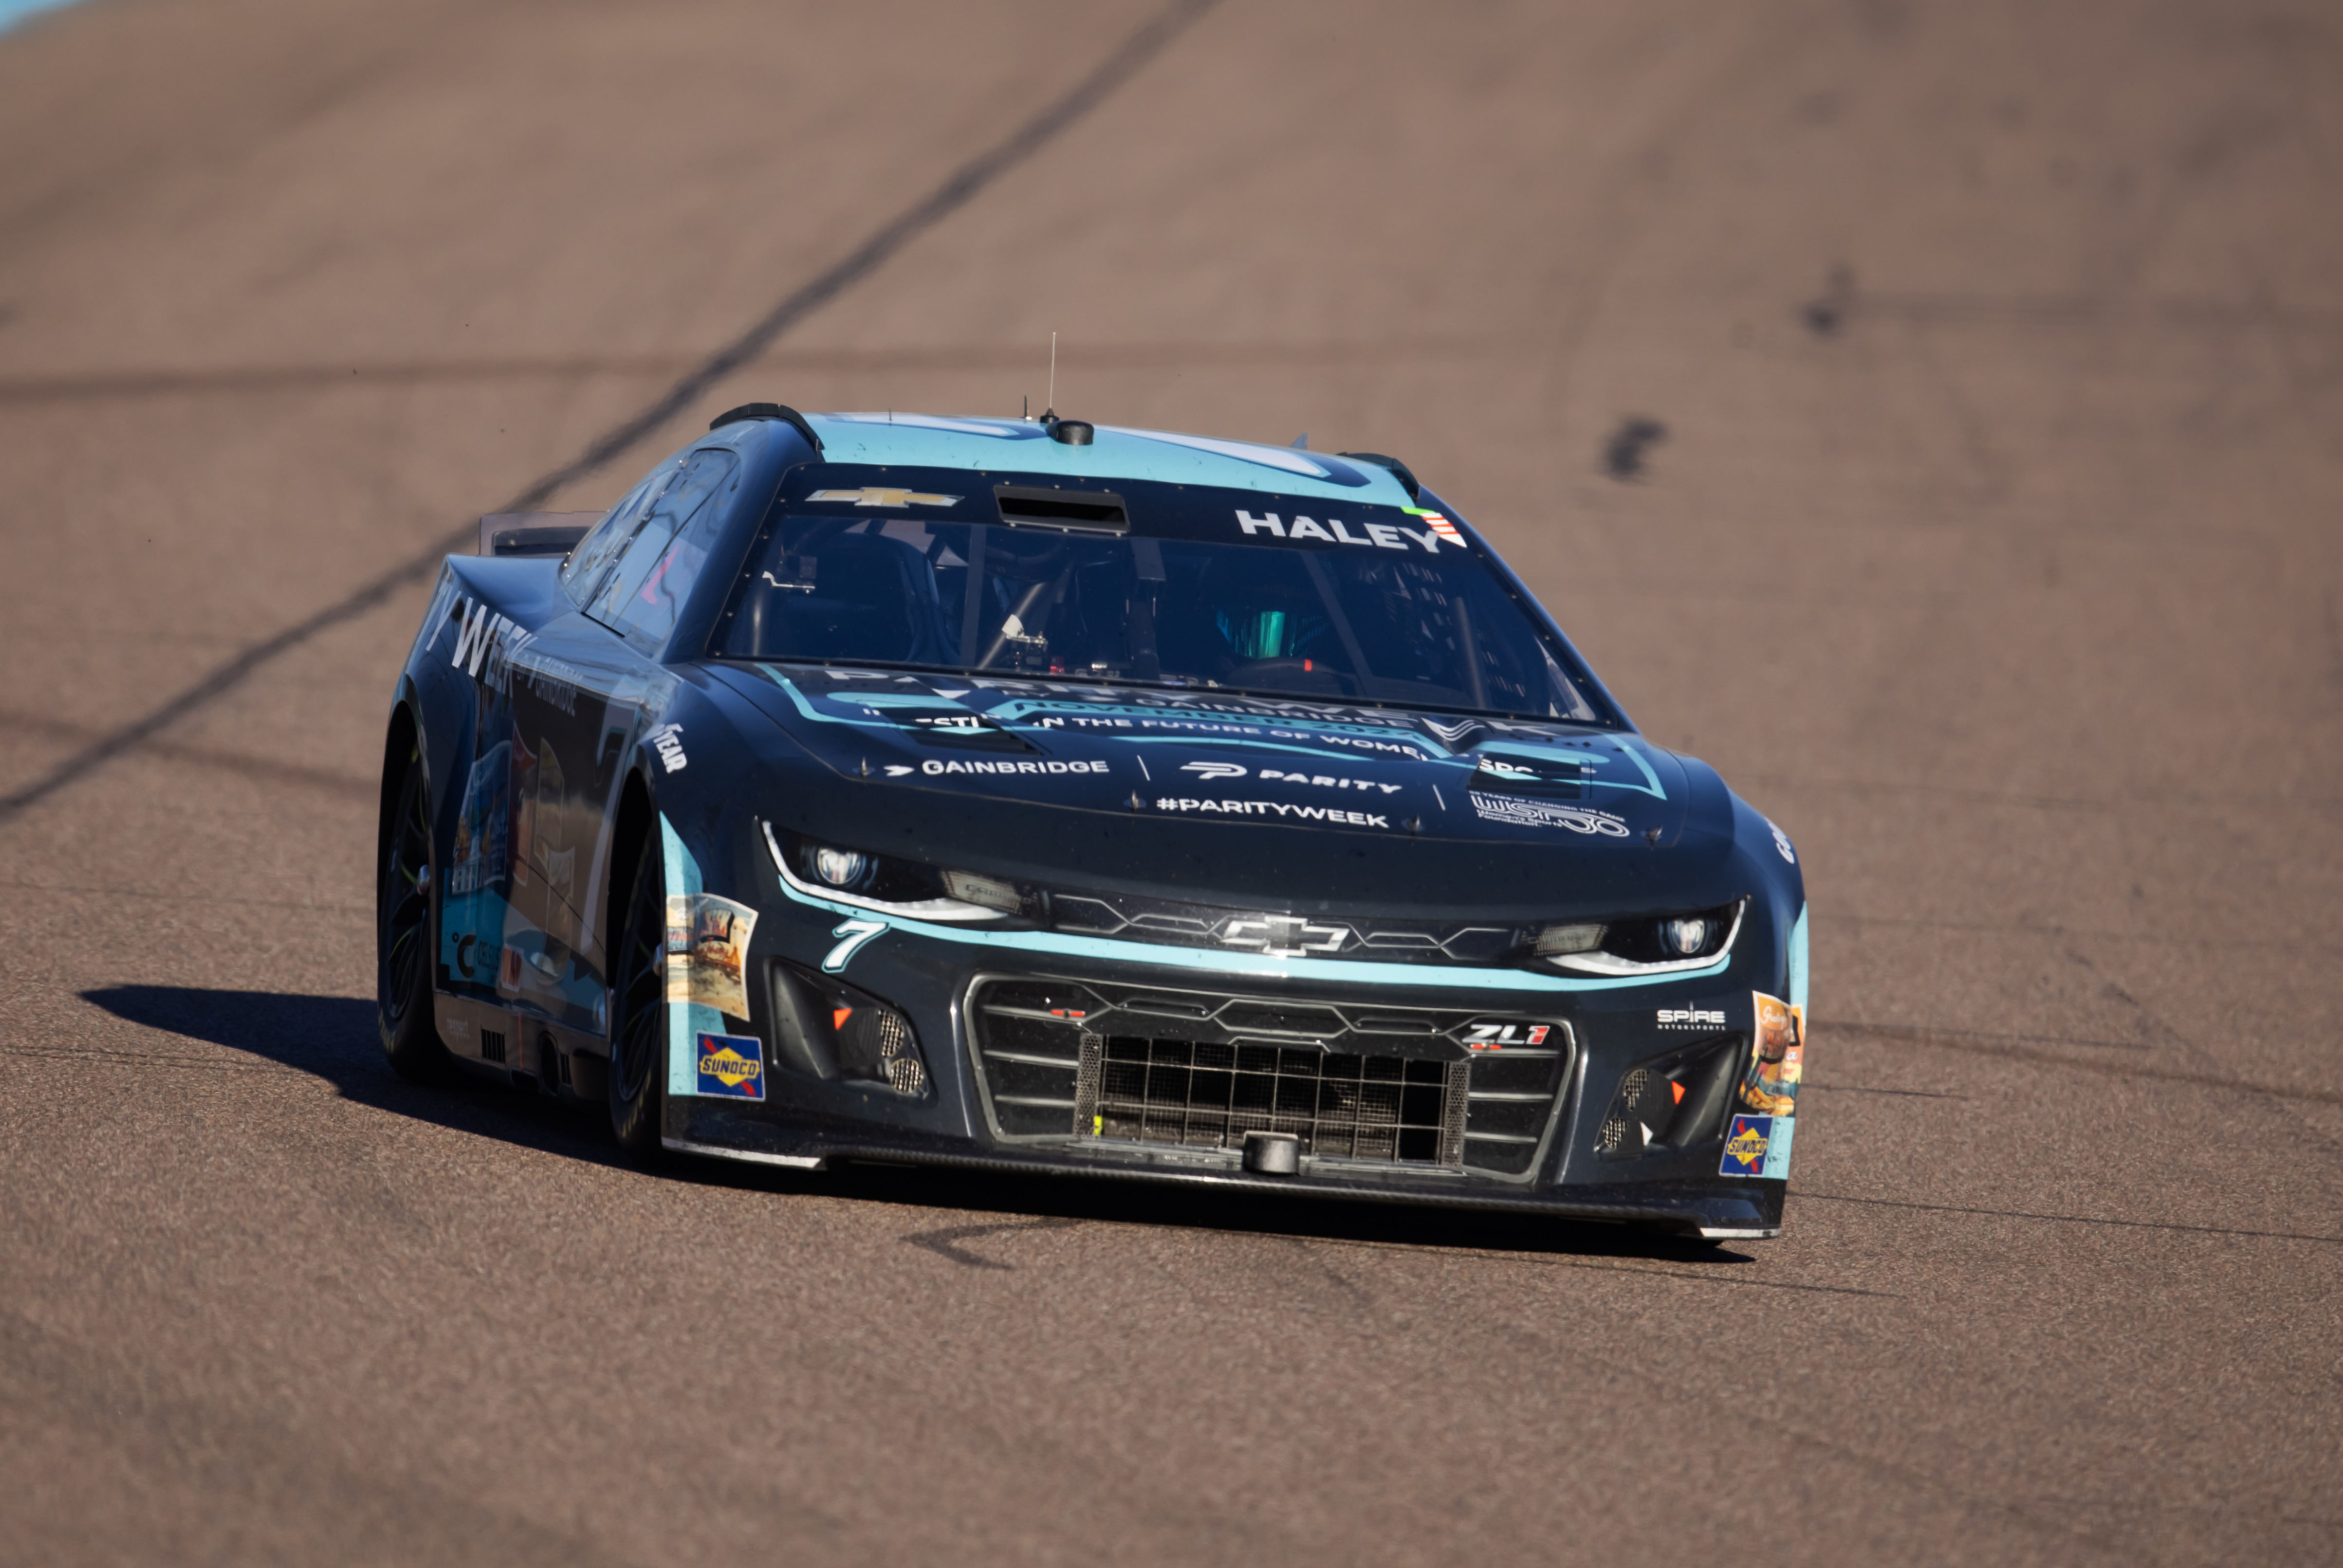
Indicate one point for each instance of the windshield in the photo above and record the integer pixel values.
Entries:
(1382, 604)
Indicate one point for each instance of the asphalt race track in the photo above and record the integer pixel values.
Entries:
(1932, 414)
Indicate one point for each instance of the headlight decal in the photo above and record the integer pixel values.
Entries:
(1243, 964)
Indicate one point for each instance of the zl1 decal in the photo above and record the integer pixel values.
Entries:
(1498, 1036)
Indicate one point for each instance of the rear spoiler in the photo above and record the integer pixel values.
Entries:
(534, 533)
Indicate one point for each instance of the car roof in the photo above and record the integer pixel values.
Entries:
(951, 441)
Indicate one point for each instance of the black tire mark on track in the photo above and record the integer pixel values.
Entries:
(960, 187)
(1873, 1088)
(945, 1243)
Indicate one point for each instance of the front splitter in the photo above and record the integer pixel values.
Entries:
(1750, 1210)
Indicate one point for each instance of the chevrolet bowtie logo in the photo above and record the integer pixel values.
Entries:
(882, 496)
(1284, 936)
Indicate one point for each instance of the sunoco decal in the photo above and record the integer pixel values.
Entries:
(1757, 1146)
(732, 1065)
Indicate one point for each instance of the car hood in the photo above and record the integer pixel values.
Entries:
(1251, 793)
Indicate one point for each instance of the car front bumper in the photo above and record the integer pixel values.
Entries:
(937, 976)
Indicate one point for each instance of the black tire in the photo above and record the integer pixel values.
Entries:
(405, 930)
(639, 1006)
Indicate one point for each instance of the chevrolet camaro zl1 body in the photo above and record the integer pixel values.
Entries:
(1012, 794)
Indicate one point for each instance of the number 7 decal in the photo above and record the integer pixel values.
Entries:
(856, 933)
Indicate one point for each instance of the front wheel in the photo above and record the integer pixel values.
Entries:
(639, 1006)
(403, 926)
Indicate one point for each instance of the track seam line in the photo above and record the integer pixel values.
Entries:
(958, 189)
(2067, 1219)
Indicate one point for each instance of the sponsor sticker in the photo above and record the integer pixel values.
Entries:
(707, 952)
(732, 1065)
(1777, 1053)
(1221, 730)
(1692, 1018)
(667, 741)
(1522, 813)
(934, 769)
(883, 495)
(487, 644)
(1335, 532)
(1331, 816)
(1757, 1146)
(1215, 770)
(1782, 844)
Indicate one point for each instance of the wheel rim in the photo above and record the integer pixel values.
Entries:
(642, 982)
(407, 895)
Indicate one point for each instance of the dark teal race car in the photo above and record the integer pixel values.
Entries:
(1015, 794)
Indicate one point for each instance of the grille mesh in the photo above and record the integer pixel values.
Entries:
(1423, 1087)
(1208, 1095)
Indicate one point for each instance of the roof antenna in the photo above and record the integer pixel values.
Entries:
(1053, 404)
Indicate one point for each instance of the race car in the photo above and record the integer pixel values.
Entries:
(1032, 796)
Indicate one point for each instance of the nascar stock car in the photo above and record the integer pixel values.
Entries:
(1023, 795)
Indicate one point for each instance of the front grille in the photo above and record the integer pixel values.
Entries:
(1429, 1088)
(1135, 919)
(1207, 1095)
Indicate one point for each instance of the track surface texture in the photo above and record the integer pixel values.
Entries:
(1932, 414)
